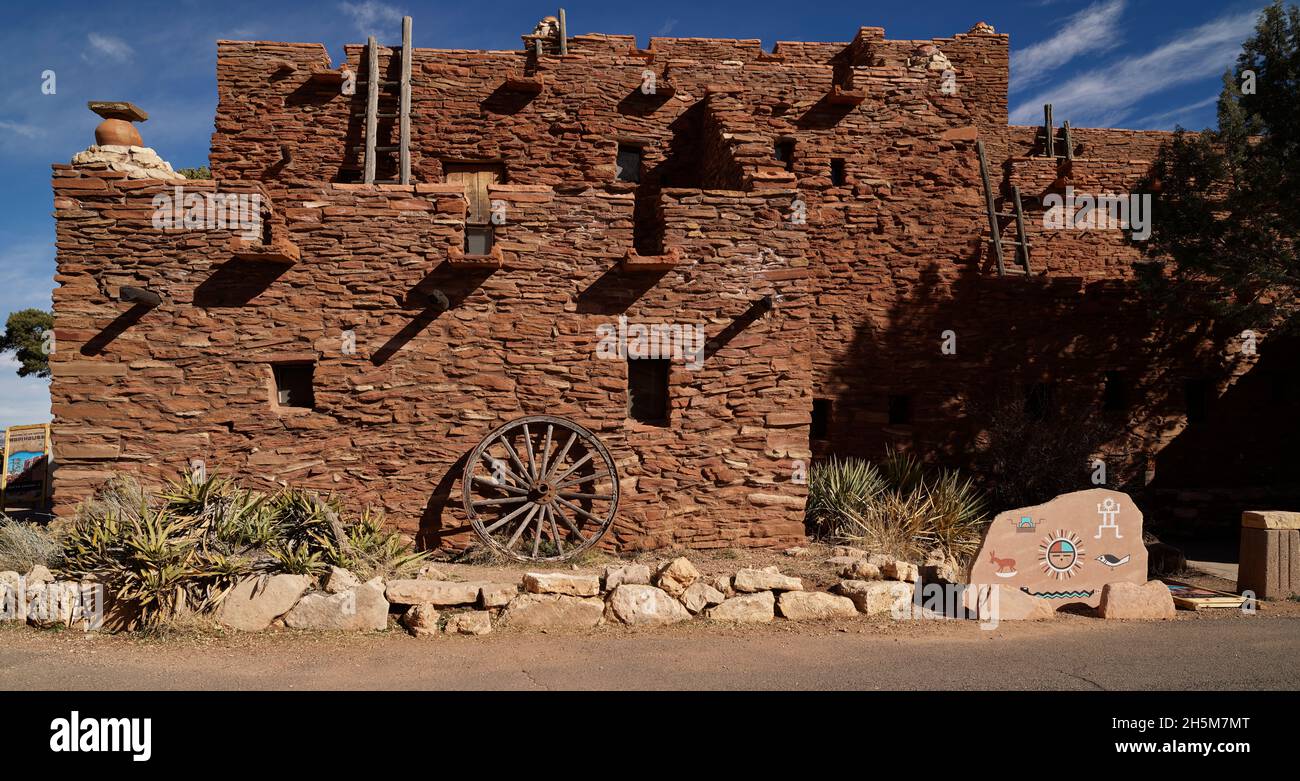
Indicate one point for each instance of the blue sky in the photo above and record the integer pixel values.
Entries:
(1102, 63)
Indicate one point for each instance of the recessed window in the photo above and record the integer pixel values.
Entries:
(784, 153)
(1114, 397)
(1196, 398)
(478, 239)
(1040, 400)
(900, 410)
(838, 175)
(293, 384)
(647, 390)
(821, 419)
(628, 166)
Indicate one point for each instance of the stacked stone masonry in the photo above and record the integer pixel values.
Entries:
(862, 289)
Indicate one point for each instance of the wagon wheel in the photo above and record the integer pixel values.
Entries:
(540, 488)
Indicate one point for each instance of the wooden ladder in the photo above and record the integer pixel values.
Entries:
(1021, 242)
(374, 86)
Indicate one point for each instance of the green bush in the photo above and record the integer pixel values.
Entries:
(896, 507)
(183, 548)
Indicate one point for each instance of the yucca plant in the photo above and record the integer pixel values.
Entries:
(895, 508)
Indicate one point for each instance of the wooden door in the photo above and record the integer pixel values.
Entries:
(476, 177)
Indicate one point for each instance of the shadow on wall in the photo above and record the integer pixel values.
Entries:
(1072, 336)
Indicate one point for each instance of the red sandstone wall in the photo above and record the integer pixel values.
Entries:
(886, 263)
(191, 379)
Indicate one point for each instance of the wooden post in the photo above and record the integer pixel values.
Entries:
(404, 143)
(564, 34)
(1049, 131)
(992, 208)
(1069, 142)
(372, 108)
(1023, 239)
(139, 295)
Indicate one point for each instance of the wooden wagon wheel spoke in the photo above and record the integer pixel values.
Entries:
(564, 451)
(567, 522)
(574, 468)
(510, 489)
(531, 489)
(503, 521)
(532, 510)
(578, 495)
(546, 448)
(532, 463)
(579, 480)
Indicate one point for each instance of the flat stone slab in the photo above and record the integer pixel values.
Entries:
(754, 580)
(554, 611)
(1270, 519)
(561, 583)
(439, 593)
(814, 605)
(757, 608)
(1064, 551)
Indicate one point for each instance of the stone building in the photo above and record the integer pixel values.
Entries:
(817, 209)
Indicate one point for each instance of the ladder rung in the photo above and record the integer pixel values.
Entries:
(377, 149)
(381, 115)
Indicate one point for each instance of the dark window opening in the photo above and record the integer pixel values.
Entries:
(628, 166)
(784, 153)
(1040, 400)
(1196, 397)
(1114, 397)
(293, 384)
(900, 410)
(821, 419)
(647, 390)
(478, 239)
(838, 175)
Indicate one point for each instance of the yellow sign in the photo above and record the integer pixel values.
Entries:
(25, 479)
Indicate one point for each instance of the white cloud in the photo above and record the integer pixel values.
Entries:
(18, 128)
(1094, 29)
(22, 399)
(1166, 120)
(107, 47)
(1107, 95)
(374, 18)
(667, 27)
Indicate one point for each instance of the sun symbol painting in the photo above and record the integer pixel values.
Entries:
(1060, 554)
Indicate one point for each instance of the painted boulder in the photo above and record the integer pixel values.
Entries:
(1066, 550)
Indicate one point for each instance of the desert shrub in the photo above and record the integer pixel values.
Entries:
(896, 507)
(24, 545)
(1025, 459)
(183, 548)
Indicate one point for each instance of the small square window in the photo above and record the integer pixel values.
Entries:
(838, 173)
(821, 419)
(647, 390)
(1196, 397)
(293, 384)
(478, 239)
(784, 153)
(1115, 393)
(900, 410)
(628, 167)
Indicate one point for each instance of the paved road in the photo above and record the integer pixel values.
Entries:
(1072, 653)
